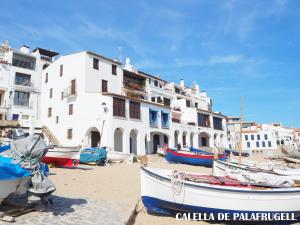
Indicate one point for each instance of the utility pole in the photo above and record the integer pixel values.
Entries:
(241, 129)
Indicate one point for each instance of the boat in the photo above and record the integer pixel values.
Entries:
(13, 178)
(291, 151)
(191, 158)
(169, 192)
(3, 148)
(63, 156)
(200, 151)
(292, 160)
(236, 153)
(113, 156)
(96, 156)
(162, 151)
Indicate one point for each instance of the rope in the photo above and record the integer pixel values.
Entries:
(177, 183)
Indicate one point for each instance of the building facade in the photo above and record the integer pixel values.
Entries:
(20, 85)
(91, 100)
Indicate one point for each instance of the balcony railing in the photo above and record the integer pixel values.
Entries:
(134, 86)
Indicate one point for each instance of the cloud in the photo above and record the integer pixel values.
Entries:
(227, 59)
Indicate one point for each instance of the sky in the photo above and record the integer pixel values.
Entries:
(232, 48)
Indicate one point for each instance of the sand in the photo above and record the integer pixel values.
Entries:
(118, 183)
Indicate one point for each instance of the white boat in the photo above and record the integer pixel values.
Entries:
(221, 168)
(162, 151)
(17, 186)
(119, 156)
(164, 194)
(292, 160)
(63, 156)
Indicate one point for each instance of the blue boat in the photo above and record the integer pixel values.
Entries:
(191, 158)
(200, 151)
(93, 155)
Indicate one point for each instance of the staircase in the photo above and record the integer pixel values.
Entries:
(50, 136)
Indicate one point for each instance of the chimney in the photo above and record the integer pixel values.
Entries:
(196, 87)
(181, 84)
(24, 49)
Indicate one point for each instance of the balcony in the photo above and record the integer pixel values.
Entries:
(70, 92)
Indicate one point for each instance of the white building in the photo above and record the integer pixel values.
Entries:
(264, 139)
(91, 100)
(20, 79)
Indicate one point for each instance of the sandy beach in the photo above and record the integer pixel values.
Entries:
(118, 183)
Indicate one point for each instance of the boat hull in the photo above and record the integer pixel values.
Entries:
(191, 159)
(63, 156)
(160, 196)
(17, 186)
(119, 156)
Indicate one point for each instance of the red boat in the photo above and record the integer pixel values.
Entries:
(63, 156)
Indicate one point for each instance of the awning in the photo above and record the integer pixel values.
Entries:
(165, 112)
(153, 110)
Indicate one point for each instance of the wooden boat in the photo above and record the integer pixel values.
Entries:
(201, 151)
(13, 178)
(221, 168)
(63, 156)
(166, 192)
(292, 160)
(191, 158)
(119, 156)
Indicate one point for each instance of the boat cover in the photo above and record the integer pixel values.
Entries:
(93, 155)
(264, 179)
(11, 171)
(28, 153)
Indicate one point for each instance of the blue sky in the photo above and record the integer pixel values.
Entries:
(231, 48)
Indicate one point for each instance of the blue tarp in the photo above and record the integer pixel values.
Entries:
(11, 171)
(4, 148)
(93, 155)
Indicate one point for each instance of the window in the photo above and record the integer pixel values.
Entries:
(266, 137)
(61, 70)
(203, 120)
(20, 60)
(50, 93)
(73, 87)
(114, 69)
(164, 120)
(119, 107)
(248, 144)
(49, 112)
(217, 123)
(15, 117)
(152, 99)
(160, 86)
(22, 79)
(258, 137)
(45, 66)
(269, 144)
(156, 83)
(104, 85)
(62, 96)
(188, 103)
(196, 105)
(96, 64)
(263, 144)
(71, 109)
(46, 78)
(153, 117)
(257, 144)
(177, 90)
(159, 100)
(252, 137)
(70, 133)
(57, 119)
(21, 98)
(134, 110)
(246, 137)
(167, 101)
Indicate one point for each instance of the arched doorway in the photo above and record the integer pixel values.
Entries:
(203, 139)
(156, 142)
(192, 140)
(184, 139)
(133, 141)
(118, 140)
(93, 136)
(166, 140)
(176, 134)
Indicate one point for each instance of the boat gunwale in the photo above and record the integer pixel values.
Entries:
(225, 188)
